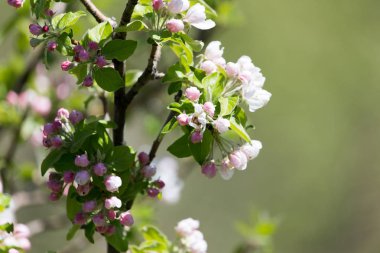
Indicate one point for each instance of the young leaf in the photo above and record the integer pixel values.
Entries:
(66, 20)
(180, 148)
(201, 151)
(136, 25)
(100, 32)
(119, 49)
(72, 205)
(64, 44)
(227, 105)
(80, 72)
(239, 130)
(72, 231)
(108, 79)
(151, 233)
(50, 160)
(173, 123)
(119, 239)
(122, 158)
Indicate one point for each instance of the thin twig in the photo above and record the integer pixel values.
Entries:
(95, 12)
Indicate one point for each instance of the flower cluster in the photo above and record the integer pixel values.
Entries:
(16, 241)
(191, 238)
(177, 14)
(29, 99)
(56, 133)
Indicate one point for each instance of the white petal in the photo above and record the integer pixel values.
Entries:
(205, 25)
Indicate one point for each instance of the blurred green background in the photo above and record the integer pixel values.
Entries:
(319, 168)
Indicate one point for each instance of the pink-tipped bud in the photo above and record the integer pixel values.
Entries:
(55, 186)
(16, 3)
(100, 169)
(89, 206)
(51, 46)
(192, 93)
(35, 29)
(175, 25)
(159, 184)
(56, 141)
(53, 176)
(232, 70)
(46, 142)
(66, 65)
(82, 161)
(21, 230)
(126, 219)
(143, 158)
(55, 196)
(209, 108)
(57, 125)
(111, 229)
(45, 28)
(88, 81)
(209, 169)
(196, 137)
(157, 4)
(80, 218)
(68, 177)
(99, 220)
(83, 190)
(48, 129)
(101, 229)
(111, 214)
(183, 119)
(101, 61)
(152, 192)
(93, 46)
(75, 117)
(49, 13)
(78, 48)
(82, 177)
(221, 125)
(113, 202)
(63, 113)
(148, 171)
(238, 160)
(112, 183)
(209, 67)
(83, 56)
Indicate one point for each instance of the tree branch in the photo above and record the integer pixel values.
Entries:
(95, 12)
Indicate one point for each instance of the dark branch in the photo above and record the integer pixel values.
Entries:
(95, 12)
(158, 140)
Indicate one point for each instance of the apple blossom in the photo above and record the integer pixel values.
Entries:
(126, 219)
(175, 25)
(196, 16)
(251, 150)
(112, 183)
(238, 160)
(82, 177)
(222, 125)
(113, 202)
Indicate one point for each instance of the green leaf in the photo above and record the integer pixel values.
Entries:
(39, 7)
(80, 137)
(174, 87)
(122, 158)
(227, 105)
(64, 44)
(180, 148)
(136, 25)
(239, 130)
(80, 72)
(5, 200)
(66, 20)
(50, 160)
(72, 231)
(151, 233)
(119, 49)
(34, 42)
(131, 77)
(240, 116)
(119, 239)
(108, 79)
(201, 151)
(173, 123)
(213, 86)
(100, 32)
(196, 45)
(7, 227)
(175, 73)
(72, 205)
(89, 231)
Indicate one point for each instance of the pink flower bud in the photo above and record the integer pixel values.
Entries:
(93, 46)
(55, 185)
(53, 176)
(157, 4)
(99, 220)
(111, 214)
(221, 125)
(51, 46)
(89, 206)
(209, 67)
(112, 183)
(83, 190)
(183, 119)
(196, 137)
(56, 141)
(159, 184)
(55, 196)
(148, 171)
(78, 48)
(45, 28)
(16, 3)
(100, 169)
(35, 29)
(175, 25)
(66, 65)
(101, 61)
(252, 150)
(63, 113)
(80, 218)
(101, 229)
(46, 142)
(49, 13)
(143, 158)
(192, 93)
(57, 125)
(75, 117)
(82, 177)
(111, 229)
(88, 81)
(186, 227)
(126, 219)
(82, 161)
(113, 202)
(209, 108)
(68, 177)
(232, 70)
(83, 56)
(209, 169)
(48, 129)
(238, 160)
(152, 192)
(21, 230)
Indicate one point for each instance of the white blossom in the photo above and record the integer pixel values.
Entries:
(196, 16)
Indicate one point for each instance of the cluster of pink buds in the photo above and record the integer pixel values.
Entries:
(177, 13)
(85, 55)
(191, 238)
(147, 171)
(61, 129)
(16, 3)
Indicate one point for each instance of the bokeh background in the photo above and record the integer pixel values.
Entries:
(318, 172)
